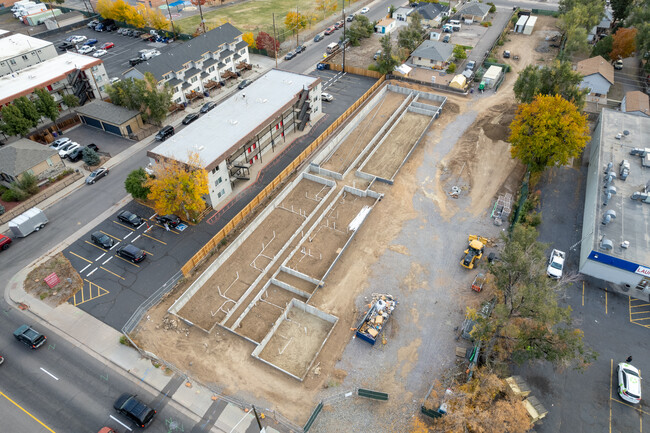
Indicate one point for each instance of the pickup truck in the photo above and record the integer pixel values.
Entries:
(556, 264)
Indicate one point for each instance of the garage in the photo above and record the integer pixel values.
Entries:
(111, 118)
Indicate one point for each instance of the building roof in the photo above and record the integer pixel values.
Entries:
(68, 16)
(434, 50)
(431, 11)
(476, 9)
(192, 72)
(596, 65)
(632, 217)
(385, 22)
(404, 10)
(216, 134)
(17, 44)
(493, 72)
(176, 58)
(637, 101)
(17, 157)
(107, 112)
(43, 74)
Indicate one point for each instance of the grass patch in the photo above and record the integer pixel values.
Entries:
(70, 281)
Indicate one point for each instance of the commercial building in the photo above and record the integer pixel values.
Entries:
(244, 128)
(615, 245)
(18, 51)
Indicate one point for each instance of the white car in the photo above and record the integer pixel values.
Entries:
(86, 49)
(629, 383)
(114, 80)
(99, 53)
(365, 10)
(327, 97)
(59, 143)
(77, 39)
(68, 148)
(556, 264)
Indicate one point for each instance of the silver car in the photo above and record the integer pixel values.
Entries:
(96, 175)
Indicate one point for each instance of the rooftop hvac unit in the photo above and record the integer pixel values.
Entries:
(641, 196)
(625, 245)
(639, 151)
(609, 167)
(609, 192)
(609, 177)
(606, 244)
(609, 215)
(624, 169)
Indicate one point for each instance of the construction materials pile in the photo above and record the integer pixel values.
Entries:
(375, 319)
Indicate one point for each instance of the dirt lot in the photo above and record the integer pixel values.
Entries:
(70, 281)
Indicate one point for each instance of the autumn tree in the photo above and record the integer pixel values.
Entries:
(548, 132)
(386, 62)
(249, 39)
(28, 110)
(624, 43)
(557, 79)
(178, 187)
(46, 105)
(156, 19)
(326, 6)
(135, 184)
(295, 21)
(459, 52)
(264, 41)
(13, 121)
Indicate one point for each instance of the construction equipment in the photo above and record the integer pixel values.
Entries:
(474, 252)
(479, 280)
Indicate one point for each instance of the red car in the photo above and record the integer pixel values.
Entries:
(108, 45)
(330, 30)
(4, 242)
(338, 24)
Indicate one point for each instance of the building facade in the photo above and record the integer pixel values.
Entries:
(26, 156)
(18, 51)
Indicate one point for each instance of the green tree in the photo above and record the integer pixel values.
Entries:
(459, 52)
(13, 121)
(70, 100)
(46, 105)
(640, 19)
(576, 41)
(412, 35)
(386, 62)
(142, 95)
(361, 28)
(28, 183)
(548, 132)
(603, 47)
(90, 157)
(134, 184)
(451, 68)
(28, 109)
(621, 9)
(556, 79)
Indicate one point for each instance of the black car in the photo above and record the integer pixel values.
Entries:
(190, 118)
(319, 37)
(135, 61)
(208, 106)
(171, 220)
(244, 83)
(132, 408)
(96, 175)
(103, 240)
(29, 337)
(93, 146)
(290, 55)
(66, 46)
(129, 218)
(131, 253)
(300, 49)
(165, 132)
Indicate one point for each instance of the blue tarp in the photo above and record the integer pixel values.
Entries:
(177, 3)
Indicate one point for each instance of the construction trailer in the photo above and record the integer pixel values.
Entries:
(530, 25)
(521, 23)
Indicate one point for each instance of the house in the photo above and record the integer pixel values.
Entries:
(598, 76)
(401, 14)
(385, 25)
(636, 103)
(492, 76)
(27, 156)
(432, 54)
(474, 11)
(432, 13)
(18, 51)
(197, 65)
(111, 118)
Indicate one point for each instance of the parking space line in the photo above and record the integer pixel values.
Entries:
(100, 256)
(111, 236)
(82, 258)
(84, 268)
(157, 240)
(136, 238)
(639, 311)
(90, 243)
(629, 405)
(100, 292)
(128, 234)
(107, 260)
(129, 262)
(126, 227)
(148, 252)
(605, 300)
(171, 230)
(92, 272)
(110, 272)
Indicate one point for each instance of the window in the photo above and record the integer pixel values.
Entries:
(177, 100)
(218, 181)
(221, 193)
(242, 52)
(216, 169)
(211, 69)
(193, 80)
(49, 162)
(25, 58)
(431, 61)
(30, 171)
(12, 61)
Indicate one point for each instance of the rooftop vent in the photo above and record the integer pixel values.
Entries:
(609, 192)
(641, 196)
(609, 167)
(606, 244)
(201, 148)
(640, 151)
(625, 245)
(624, 169)
(609, 177)
(233, 122)
(609, 216)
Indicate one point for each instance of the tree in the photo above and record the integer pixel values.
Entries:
(13, 122)
(411, 36)
(249, 39)
(603, 47)
(295, 21)
(548, 132)
(267, 42)
(156, 19)
(46, 105)
(451, 68)
(179, 187)
(90, 157)
(135, 184)
(576, 41)
(493, 7)
(70, 100)
(142, 95)
(556, 79)
(640, 19)
(134, 16)
(386, 62)
(28, 110)
(361, 28)
(326, 6)
(621, 9)
(459, 52)
(624, 43)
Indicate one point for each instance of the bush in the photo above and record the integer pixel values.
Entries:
(14, 194)
(486, 23)
(493, 8)
(134, 184)
(451, 68)
(90, 157)
(28, 183)
(373, 67)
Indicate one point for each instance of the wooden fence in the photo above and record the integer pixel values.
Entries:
(216, 239)
(356, 71)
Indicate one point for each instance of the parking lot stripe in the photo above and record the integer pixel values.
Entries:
(111, 236)
(129, 262)
(157, 240)
(171, 230)
(115, 245)
(112, 272)
(100, 256)
(84, 268)
(90, 243)
(82, 258)
(107, 260)
(126, 227)
(92, 272)
(129, 234)
(629, 405)
(148, 252)
(136, 238)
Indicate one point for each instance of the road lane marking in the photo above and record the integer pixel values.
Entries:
(136, 238)
(111, 272)
(111, 236)
(100, 256)
(47, 372)
(32, 416)
(82, 258)
(121, 423)
(107, 260)
(92, 272)
(157, 240)
(128, 235)
(84, 268)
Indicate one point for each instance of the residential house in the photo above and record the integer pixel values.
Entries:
(401, 14)
(474, 11)
(18, 51)
(27, 156)
(385, 25)
(432, 13)
(636, 103)
(432, 54)
(198, 64)
(598, 76)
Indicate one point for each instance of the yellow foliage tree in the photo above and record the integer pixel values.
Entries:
(121, 10)
(156, 19)
(326, 6)
(295, 21)
(135, 16)
(178, 188)
(249, 39)
(105, 9)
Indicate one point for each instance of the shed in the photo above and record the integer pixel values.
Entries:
(385, 25)
(530, 25)
(521, 23)
(110, 118)
(459, 82)
(492, 76)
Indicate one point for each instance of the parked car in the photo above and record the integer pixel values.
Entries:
(446, 39)
(319, 37)
(365, 10)
(165, 132)
(330, 30)
(59, 143)
(68, 148)
(86, 49)
(90, 42)
(208, 106)
(122, 30)
(629, 383)
(92, 24)
(5, 242)
(350, 18)
(618, 64)
(326, 97)
(96, 175)
(100, 53)
(290, 55)
(506, 54)
(93, 146)
(135, 61)
(171, 220)
(77, 39)
(66, 46)
(300, 49)
(108, 45)
(470, 65)
(131, 253)
(102, 240)
(338, 24)
(114, 80)
(129, 32)
(76, 154)
(29, 336)
(136, 411)
(110, 27)
(137, 33)
(244, 83)
(556, 264)
(130, 218)
(190, 118)
(377, 54)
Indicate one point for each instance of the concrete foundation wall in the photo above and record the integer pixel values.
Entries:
(300, 275)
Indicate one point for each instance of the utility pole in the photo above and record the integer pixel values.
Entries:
(344, 38)
(170, 18)
(201, 13)
(275, 52)
(296, 25)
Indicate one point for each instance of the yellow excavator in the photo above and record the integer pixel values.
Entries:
(474, 251)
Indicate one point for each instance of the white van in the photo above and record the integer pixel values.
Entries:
(452, 22)
(332, 47)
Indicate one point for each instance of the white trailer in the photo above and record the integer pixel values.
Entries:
(20, 4)
(29, 221)
(530, 25)
(521, 23)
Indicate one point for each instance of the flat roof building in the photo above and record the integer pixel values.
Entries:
(18, 51)
(236, 134)
(615, 242)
